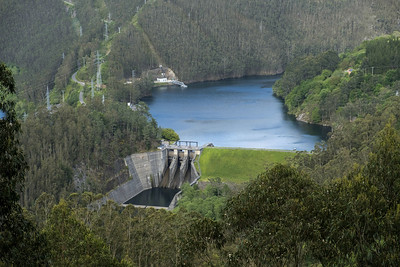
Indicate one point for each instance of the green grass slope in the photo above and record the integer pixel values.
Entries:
(238, 165)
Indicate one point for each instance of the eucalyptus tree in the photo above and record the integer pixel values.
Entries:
(19, 241)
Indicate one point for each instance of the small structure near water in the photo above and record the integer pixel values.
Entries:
(165, 76)
(165, 81)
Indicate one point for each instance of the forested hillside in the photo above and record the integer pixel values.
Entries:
(283, 217)
(82, 149)
(215, 39)
(199, 40)
(336, 206)
(356, 95)
(34, 36)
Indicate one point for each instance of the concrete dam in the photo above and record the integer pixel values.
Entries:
(169, 167)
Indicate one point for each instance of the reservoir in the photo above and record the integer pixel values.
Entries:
(232, 113)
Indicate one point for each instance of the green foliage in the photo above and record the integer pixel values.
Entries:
(360, 218)
(274, 219)
(357, 106)
(209, 202)
(144, 85)
(34, 36)
(199, 240)
(383, 167)
(19, 241)
(72, 243)
(12, 161)
(83, 147)
(285, 218)
(130, 52)
(315, 116)
(169, 134)
(281, 218)
(329, 97)
(382, 54)
(303, 69)
(134, 236)
(198, 40)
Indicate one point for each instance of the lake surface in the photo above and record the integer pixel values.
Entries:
(232, 113)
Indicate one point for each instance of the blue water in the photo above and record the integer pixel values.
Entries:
(232, 113)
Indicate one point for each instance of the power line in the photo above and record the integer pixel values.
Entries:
(44, 82)
(92, 88)
(38, 86)
(48, 99)
(106, 31)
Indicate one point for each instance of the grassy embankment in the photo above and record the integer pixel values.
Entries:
(238, 165)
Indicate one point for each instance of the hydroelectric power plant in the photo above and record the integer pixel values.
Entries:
(169, 167)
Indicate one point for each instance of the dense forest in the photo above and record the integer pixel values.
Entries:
(34, 36)
(46, 42)
(336, 206)
(283, 217)
(356, 95)
(81, 149)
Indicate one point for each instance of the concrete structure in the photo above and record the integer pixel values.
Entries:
(181, 167)
(169, 168)
(171, 82)
(162, 80)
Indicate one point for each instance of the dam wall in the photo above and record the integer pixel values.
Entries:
(147, 171)
(169, 168)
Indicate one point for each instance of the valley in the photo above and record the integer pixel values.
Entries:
(80, 113)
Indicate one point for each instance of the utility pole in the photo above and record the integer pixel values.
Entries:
(48, 99)
(98, 59)
(106, 31)
(92, 89)
(99, 82)
(63, 95)
(98, 71)
(133, 80)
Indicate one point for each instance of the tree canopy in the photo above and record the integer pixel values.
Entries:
(19, 241)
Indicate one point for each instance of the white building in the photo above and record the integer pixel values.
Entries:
(162, 80)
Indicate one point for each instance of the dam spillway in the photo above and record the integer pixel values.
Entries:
(169, 167)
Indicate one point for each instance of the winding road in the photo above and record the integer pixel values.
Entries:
(75, 80)
(81, 92)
